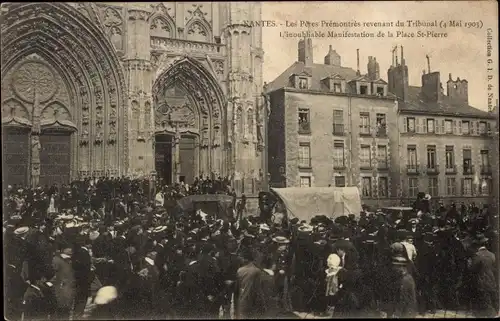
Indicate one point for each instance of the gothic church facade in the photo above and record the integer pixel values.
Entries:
(168, 90)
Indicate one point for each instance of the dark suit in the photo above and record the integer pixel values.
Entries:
(82, 263)
(252, 299)
(484, 283)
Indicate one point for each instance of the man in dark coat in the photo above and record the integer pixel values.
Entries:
(482, 266)
(229, 263)
(82, 266)
(426, 282)
(64, 281)
(15, 248)
(252, 299)
(38, 301)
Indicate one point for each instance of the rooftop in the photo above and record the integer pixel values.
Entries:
(414, 103)
(317, 72)
(445, 107)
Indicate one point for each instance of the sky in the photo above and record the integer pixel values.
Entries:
(462, 53)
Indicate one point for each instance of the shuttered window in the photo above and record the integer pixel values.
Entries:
(419, 125)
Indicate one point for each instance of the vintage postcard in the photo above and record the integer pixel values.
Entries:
(226, 160)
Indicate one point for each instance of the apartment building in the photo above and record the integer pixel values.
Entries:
(445, 144)
(330, 125)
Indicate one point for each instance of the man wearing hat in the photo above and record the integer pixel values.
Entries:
(482, 267)
(82, 267)
(252, 300)
(402, 290)
(426, 283)
(229, 263)
(64, 281)
(282, 268)
(15, 258)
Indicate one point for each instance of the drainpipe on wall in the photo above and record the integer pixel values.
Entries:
(351, 139)
(266, 141)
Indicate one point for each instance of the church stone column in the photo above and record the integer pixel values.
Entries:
(139, 73)
(242, 88)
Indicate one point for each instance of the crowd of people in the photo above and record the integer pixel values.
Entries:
(104, 248)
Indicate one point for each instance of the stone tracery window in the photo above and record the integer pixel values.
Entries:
(13, 108)
(197, 32)
(250, 122)
(161, 28)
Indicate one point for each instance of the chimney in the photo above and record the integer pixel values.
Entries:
(457, 91)
(373, 68)
(332, 57)
(357, 54)
(431, 87)
(398, 77)
(305, 51)
(402, 57)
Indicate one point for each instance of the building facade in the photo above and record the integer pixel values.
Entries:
(445, 144)
(169, 89)
(330, 125)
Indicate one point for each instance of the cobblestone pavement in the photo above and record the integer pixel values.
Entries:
(440, 314)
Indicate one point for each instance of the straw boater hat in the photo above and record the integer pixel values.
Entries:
(321, 242)
(65, 217)
(281, 239)
(159, 229)
(427, 197)
(21, 231)
(264, 227)
(305, 228)
(399, 260)
(15, 218)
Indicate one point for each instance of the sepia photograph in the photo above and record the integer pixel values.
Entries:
(250, 160)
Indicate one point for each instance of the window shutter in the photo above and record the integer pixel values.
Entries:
(418, 128)
(455, 127)
(462, 186)
(488, 128)
(472, 126)
(425, 125)
(443, 125)
(460, 127)
(405, 125)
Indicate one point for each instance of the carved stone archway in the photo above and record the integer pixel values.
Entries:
(73, 49)
(206, 117)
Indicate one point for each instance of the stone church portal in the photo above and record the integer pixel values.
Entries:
(189, 108)
(164, 90)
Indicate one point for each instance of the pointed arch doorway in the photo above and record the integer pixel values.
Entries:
(189, 118)
(176, 139)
